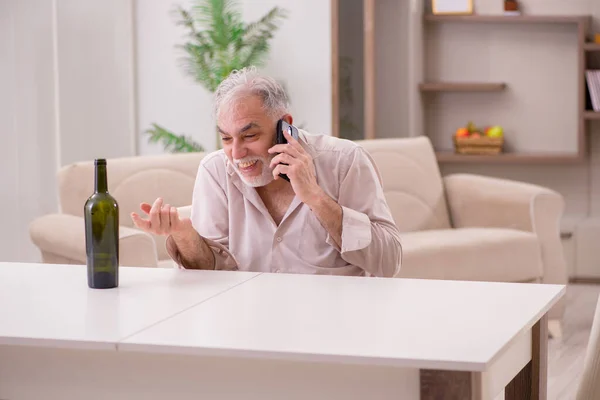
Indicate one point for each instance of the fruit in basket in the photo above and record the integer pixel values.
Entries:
(472, 128)
(482, 141)
(462, 132)
(472, 131)
(466, 131)
(494, 131)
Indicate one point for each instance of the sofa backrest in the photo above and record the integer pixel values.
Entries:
(412, 182)
(133, 180)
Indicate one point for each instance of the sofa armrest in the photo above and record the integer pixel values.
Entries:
(478, 201)
(64, 235)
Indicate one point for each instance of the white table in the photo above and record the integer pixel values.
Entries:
(226, 335)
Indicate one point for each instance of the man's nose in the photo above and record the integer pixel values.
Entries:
(238, 151)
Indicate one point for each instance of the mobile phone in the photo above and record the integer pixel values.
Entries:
(280, 139)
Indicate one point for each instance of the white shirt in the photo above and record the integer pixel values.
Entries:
(231, 216)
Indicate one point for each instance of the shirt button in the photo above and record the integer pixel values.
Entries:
(279, 238)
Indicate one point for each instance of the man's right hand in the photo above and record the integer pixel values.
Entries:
(163, 219)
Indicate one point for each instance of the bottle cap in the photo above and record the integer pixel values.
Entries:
(100, 161)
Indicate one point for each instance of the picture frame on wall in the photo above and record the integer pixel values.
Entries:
(452, 7)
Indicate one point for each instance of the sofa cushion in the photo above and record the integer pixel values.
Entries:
(473, 254)
(412, 183)
(133, 180)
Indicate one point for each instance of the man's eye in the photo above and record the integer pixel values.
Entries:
(250, 136)
(225, 139)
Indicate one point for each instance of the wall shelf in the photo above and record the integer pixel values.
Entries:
(437, 70)
(462, 87)
(591, 46)
(508, 158)
(591, 115)
(580, 23)
(524, 19)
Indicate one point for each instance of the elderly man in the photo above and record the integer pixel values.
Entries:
(331, 217)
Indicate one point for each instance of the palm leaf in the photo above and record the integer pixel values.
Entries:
(217, 42)
(217, 16)
(264, 28)
(225, 43)
(185, 20)
(171, 141)
(257, 54)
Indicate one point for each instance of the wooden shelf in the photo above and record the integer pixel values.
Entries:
(454, 80)
(462, 87)
(581, 24)
(524, 19)
(508, 158)
(591, 115)
(591, 46)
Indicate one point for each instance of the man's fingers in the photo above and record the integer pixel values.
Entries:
(155, 214)
(142, 224)
(174, 217)
(281, 158)
(280, 169)
(165, 217)
(293, 144)
(292, 141)
(145, 207)
(285, 149)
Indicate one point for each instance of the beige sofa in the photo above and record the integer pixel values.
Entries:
(461, 227)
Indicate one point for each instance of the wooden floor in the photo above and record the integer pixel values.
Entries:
(565, 356)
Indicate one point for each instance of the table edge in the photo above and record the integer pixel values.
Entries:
(269, 355)
(58, 343)
(527, 327)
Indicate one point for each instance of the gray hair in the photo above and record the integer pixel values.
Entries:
(248, 81)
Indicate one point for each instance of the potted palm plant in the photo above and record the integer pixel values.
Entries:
(218, 42)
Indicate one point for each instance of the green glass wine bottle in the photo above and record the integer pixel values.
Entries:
(101, 215)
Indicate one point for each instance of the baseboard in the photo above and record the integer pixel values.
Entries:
(583, 280)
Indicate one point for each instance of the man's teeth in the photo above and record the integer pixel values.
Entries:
(247, 164)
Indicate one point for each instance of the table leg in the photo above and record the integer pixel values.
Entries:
(522, 370)
(450, 385)
(532, 381)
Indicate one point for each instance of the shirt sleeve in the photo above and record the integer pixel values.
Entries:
(370, 237)
(210, 218)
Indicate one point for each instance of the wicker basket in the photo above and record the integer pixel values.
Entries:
(478, 145)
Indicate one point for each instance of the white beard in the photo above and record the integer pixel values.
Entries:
(266, 174)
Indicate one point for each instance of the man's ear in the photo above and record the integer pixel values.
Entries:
(288, 118)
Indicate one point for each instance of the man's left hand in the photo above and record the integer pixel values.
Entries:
(300, 169)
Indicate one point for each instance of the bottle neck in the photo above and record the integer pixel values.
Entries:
(100, 183)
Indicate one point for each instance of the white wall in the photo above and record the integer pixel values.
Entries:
(66, 95)
(27, 150)
(95, 79)
(300, 56)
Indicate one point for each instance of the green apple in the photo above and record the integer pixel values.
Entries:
(495, 131)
